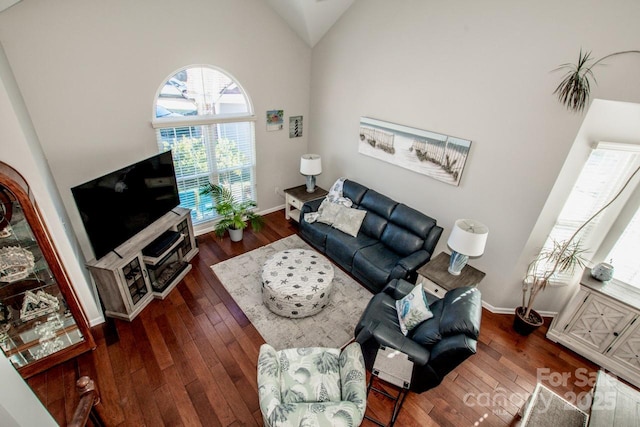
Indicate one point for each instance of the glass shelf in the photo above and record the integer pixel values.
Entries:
(41, 322)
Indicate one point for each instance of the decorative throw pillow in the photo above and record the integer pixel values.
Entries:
(349, 220)
(328, 212)
(413, 309)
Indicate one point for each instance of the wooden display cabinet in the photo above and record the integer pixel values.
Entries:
(41, 321)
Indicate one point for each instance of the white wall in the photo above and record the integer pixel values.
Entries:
(19, 406)
(480, 71)
(89, 71)
(19, 148)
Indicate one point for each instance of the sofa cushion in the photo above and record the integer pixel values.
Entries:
(310, 375)
(401, 240)
(428, 333)
(373, 265)
(354, 191)
(328, 212)
(343, 247)
(373, 225)
(413, 309)
(462, 312)
(378, 203)
(413, 220)
(349, 220)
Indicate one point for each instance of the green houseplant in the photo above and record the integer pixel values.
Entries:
(562, 257)
(234, 215)
(575, 88)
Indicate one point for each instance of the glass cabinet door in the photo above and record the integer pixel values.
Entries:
(41, 323)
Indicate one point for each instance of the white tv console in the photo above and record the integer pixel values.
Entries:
(127, 280)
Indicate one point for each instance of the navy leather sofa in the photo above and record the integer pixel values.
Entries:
(393, 242)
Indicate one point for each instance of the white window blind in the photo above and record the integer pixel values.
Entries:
(624, 255)
(604, 173)
(205, 118)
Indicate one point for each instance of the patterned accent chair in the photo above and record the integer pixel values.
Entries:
(312, 386)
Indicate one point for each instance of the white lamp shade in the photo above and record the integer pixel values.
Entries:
(468, 237)
(310, 164)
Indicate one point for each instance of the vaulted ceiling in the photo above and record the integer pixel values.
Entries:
(310, 19)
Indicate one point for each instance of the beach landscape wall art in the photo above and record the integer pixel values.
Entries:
(439, 156)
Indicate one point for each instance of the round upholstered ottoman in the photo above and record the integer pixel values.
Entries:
(296, 283)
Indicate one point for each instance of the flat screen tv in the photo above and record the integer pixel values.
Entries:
(120, 204)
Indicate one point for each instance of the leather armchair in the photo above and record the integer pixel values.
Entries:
(437, 345)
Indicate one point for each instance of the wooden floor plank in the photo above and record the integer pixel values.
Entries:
(179, 394)
(191, 359)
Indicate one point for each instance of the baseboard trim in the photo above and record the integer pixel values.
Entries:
(501, 310)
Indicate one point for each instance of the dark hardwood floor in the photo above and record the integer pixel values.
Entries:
(191, 360)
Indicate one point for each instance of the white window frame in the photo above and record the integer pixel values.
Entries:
(208, 121)
(612, 222)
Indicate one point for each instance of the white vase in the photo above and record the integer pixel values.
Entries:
(235, 235)
(602, 272)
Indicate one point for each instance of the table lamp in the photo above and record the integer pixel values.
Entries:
(467, 238)
(311, 165)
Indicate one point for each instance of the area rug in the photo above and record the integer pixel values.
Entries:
(332, 327)
(546, 408)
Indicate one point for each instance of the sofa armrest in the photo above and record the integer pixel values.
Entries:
(415, 260)
(406, 267)
(353, 378)
(268, 379)
(389, 337)
(450, 352)
(398, 288)
(311, 206)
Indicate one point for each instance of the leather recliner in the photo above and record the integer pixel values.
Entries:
(437, 345)
(393, 242)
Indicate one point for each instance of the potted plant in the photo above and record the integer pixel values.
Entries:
(562, 257)
(575, 88)
(234, 215)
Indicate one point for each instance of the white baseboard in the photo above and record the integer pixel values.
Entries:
(501, 310)
(209, 226)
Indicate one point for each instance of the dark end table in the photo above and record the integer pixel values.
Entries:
(437, 280)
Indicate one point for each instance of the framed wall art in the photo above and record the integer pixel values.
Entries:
(439, 156)
(275, 120)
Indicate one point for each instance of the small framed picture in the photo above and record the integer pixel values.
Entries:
(295, 126)
(275, 120)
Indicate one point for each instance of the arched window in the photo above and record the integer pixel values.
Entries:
(206, 119)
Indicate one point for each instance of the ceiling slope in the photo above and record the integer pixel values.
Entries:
(310, 19)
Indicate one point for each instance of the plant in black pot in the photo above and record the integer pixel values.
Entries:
(235, 215)
(560, 258)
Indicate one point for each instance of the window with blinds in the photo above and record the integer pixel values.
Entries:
(624, 255)
(206, 119)
(605, 172)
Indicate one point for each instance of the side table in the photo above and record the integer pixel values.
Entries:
(295, 197)
(395, 368)
(438, 281)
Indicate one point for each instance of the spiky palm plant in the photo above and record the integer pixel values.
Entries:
(575, 88)
(233, 214)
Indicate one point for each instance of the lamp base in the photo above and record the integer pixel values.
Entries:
(311, 183)
(457, 263)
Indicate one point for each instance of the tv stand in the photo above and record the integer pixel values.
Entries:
(161, 244)
(147, 266)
